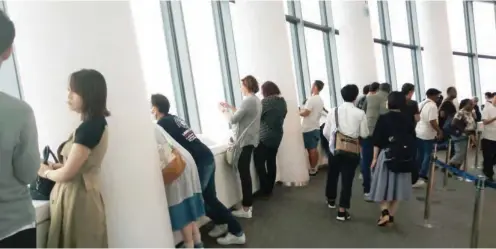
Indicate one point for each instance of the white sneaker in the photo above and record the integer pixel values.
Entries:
(231, 239)
(218, 231)
(242, 213)
(420, 183)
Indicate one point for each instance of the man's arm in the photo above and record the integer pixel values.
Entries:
(485, 117)
(307, 109)
(26, 157)
(364, 127)
(432, 114)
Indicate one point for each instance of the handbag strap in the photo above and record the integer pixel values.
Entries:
(47, 152)
(336, 118)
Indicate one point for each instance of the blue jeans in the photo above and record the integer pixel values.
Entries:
(367, 156)
(214, 209)
(424, 152)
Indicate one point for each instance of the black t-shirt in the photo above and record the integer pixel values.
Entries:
(449, 110)
(89, 133)
(392, 123)
(411, 109)
(180, 131)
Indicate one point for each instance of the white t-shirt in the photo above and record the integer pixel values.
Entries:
(428, 112)
(312, 122)
(489, 131)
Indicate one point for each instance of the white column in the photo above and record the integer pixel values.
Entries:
(263, 50)
(57, 38)
(437, 56)
(356, 48)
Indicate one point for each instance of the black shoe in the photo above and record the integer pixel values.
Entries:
(331, 204)
(385, 218)
(343, 216)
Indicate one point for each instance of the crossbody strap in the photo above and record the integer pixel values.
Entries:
(336, 118)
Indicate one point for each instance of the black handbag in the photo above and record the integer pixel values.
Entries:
(42, 187)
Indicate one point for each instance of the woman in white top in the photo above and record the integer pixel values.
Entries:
(353, 124)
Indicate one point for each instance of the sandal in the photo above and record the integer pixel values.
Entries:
(385, 218)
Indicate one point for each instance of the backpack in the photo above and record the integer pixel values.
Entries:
(400, 153)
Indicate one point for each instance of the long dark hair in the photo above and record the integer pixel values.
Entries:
(92, 87)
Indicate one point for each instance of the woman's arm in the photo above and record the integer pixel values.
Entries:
(241, 112)
(375, 155)
(78, 155)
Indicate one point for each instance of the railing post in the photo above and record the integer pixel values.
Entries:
(446, 171)
(477, 149)
(479, 202)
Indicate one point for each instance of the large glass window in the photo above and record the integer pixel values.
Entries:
(317, 61)
(462, 76)
(205, 64)
(311, 40)
(397, 48)
(487, 75)
(473, 33)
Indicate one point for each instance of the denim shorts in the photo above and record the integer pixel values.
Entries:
(311, 139)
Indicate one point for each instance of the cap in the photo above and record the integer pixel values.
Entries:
(432, 91)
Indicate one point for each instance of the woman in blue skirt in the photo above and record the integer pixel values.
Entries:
(182, 187)
(393, 136)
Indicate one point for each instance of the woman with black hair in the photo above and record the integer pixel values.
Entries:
(393, 160)
(77, 214)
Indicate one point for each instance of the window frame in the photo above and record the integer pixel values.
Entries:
(180, 64)
(297, 28)
(388, 43)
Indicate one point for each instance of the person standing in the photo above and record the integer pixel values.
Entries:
(489, 99)
(375, 106)
(247, 136)
(488, 142)
(19, 159)
(448, 108)
(353, 124)
(362, 99)
(463, 124)
(477, 111)
(311, 114)
(427, 130)
(391, 181)
(274, 112)
(411, 110)
(205, 163)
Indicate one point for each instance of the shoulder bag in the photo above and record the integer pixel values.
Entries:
(40, 189)
(344, 144)
(232, 143)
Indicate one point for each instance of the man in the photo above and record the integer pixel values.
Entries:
(489, 97)
(477, 112)
(311, 114)
(19, 159)
(448, 108)
(204, 159)
(373, 88)
(412, 111)
(352, 123)
(375, 106)
(488, 142)
(362, 99)
(427, 130)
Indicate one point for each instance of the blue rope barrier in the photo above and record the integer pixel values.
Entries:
(463, 174)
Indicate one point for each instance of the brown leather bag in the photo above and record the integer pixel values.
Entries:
(345, 144)
(174, 169)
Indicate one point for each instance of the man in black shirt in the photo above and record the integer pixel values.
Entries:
(204, 159)
(447, 109)
(412, 111)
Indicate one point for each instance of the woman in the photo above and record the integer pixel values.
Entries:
(247, 134)
(77, 212)
(389, 185)
(274, 111)
(463, 127)
(182, 187)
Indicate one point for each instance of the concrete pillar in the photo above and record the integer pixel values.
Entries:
(437, 56)
(57, 38)
(263, 50)
(356, 48)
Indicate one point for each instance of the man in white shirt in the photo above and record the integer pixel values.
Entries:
(488, 142)
(427, 131)
(311, 114)
(352, 123)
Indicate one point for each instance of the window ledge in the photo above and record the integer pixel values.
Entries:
(218, 149)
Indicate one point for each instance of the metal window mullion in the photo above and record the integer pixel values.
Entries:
(181, 72)
(472, 48)
(227, 52)
(417, 52)
(330, 52)
(303, 56)
(388, 53)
